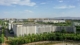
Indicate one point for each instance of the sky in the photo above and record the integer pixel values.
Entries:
(39, 8)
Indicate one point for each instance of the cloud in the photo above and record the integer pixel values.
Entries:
(61, 1)
(17, 2)
(64, 7)
(71, 6)
(43, 3)
(17, 14)
(78, 0)
(28, 11)
(6, 12)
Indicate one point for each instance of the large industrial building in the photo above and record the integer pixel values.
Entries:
(22, 29)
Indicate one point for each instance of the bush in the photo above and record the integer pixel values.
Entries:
(45, 36)
(0, 40)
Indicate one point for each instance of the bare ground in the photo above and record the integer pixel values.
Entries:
(52, 43)
(65, 44)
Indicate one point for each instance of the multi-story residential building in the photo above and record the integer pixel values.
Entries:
(47, 20)
(76, 23)
(51, 20)
(22, 29)
(10, 25)
(54, 21)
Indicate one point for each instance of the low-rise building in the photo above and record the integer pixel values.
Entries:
(76, 23)
(51, 20)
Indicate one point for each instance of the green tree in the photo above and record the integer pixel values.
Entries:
(63, 31)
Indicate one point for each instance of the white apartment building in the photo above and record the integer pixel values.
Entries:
(22, 29)
(54, 21)
(10, 25)
(30, 29)
(76, 23)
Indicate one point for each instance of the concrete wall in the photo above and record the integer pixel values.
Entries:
(15, 29)
(67, 28)
(19, 30)
(44, 28)
(30, 29)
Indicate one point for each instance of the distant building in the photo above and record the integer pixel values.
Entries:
(47, 20)
(52, 20)
(10, 25)
(22, 29)
(76, 23)
(0, 27)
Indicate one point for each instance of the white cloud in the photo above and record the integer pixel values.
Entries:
(78, 0)
(43, 3)
(61, 1)
(71, 6)
(17, 2)
(60, 7)
(35, 7)
(28, 11)
(17, 14)
(64, 7)
(6, 12)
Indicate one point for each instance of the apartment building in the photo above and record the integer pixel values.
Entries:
(76, 23)
(22, 29)
(51, 20)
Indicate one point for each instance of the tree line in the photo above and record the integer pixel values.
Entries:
(2, 36)
(52, 36)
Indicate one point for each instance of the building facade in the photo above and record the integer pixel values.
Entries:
(22, 29)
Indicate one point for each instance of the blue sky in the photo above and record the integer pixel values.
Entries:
(39, 8)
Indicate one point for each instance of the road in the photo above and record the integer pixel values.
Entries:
(7, 34)
(0, 32)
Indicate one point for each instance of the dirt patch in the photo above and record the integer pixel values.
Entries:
(52, 43)
(35, 43)
(65, 44)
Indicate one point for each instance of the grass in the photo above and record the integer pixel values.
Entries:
(2, 38)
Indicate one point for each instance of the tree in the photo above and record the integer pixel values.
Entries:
(0, 40)
(63, 31)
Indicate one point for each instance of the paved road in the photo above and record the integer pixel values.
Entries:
(0, 31)
(7, 34)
